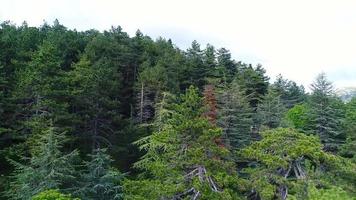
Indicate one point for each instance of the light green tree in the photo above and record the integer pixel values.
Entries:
(283, 161)
(48, 168)
(326, 112)
(52, 195)
(235, 116)
(99, 179)
(271, 110)
(184, 158)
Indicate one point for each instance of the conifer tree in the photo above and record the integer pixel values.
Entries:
(95, 86)
(226, 65)
(3, 103)
(325, 114)
(151, 82)
(197, 71)
(100, 180)
(286, 161)
(94, 94)
(182, 159)
(235, 116)
(209, 59)
(52, 195)
(290, 93)
(349, 148)
(254, 82)
(41, 91)
(271, 110)
(47, 168)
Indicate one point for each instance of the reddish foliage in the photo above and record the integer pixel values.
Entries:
(219, 142)
(210, 101)
(211, 113)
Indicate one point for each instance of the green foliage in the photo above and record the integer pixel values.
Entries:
(334, 193)
(349, 148)
(184, 144)
(298, 117)
(235, 116)
(151, 83)
(271, 110)
(49, 168)
(290, 93)
(281, 146)
(195, 68)
(254, 82)
(326, 112)
(40, 95)
(52, 195)
(94, 94)
(107, 89)
(282, 158)
(100, 180)
(227, 67)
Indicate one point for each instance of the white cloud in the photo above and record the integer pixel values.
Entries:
(298, 38)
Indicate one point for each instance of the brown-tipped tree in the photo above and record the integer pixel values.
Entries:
(211, 104)
(182, 159)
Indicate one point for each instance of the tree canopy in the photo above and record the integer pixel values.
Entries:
(108, 115)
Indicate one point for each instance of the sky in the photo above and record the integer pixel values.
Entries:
(297, 38)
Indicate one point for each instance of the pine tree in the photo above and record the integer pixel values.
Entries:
(3, 102)
(285, 160)
(254, 82)
(271, 110)
(196, 70)
(182, 159)
(52, 195)
(235, 116)
(325, 115)
(48, 168)
(41, 91)
(290, 93)
(151, 82)
(226, 65)
(209, 59)
(95, 100)
(349, 148)
(100, 180)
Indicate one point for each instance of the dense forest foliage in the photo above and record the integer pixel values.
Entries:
(102, 115)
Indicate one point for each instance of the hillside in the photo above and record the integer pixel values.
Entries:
(101, 115)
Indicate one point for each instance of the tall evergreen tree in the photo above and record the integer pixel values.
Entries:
(100, 180)
(151, 83)
(235, 116)
(325, 114)
(41, 92)
(182, 159)
(197, 71)
(271, 110)
(254, 82)
(290, 93)
(94, 91)
(47, 168)
(349, 148)
(226, 65)
(210, 62)
(3, 103)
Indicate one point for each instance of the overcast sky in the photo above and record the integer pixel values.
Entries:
(298, 38)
